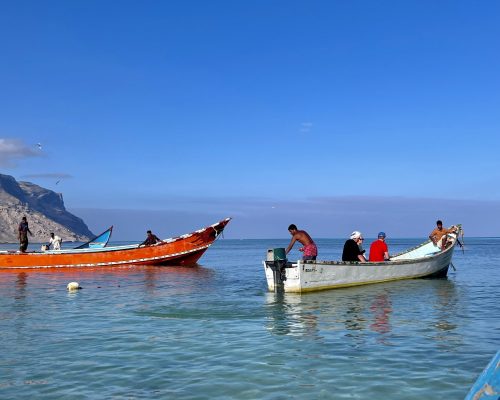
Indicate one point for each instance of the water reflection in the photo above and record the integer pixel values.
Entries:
(446, 307)
(366, 313)
(288, 314)
(381, 308)
(21, 282)
(354, 319)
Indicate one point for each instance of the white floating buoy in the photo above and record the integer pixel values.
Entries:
(73, 286)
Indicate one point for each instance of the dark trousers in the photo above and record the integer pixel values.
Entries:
(24, 245)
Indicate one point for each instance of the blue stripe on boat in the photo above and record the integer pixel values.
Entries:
(487, 386)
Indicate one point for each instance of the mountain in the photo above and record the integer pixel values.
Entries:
(44, 210)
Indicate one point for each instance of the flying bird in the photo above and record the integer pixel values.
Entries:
(58, 182)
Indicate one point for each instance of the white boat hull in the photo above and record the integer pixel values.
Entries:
(304, 276)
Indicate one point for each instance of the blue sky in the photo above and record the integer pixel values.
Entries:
(334, 115)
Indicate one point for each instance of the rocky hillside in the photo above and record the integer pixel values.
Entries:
(44, 210)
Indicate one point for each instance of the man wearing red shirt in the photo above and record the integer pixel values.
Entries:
(378, 249)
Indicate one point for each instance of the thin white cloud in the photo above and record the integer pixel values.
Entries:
(305, 127)
(54, 175)
(322, 217)
(13, 150)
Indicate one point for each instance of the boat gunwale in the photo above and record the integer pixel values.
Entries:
(390, 262)
(111, 249)
(139, 261)
(459, 226)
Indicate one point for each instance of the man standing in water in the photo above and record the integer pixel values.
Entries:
(308, 246)
(22, 234)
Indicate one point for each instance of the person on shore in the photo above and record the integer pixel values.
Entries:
(352, 248)
(55, 241)
(439, 235)
(308, 246)
(151, 239)
(22, 234)
(378, 249)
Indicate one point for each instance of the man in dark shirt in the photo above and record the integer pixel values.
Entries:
(151, 239)
(22, 234)
(352, 250)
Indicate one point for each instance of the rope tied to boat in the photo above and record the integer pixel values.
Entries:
(217, 233)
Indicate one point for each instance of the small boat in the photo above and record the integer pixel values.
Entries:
(425, 260)
(183, 250)
(487, 386)
(99, 241)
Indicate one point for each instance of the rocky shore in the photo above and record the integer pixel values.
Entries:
(44, 210)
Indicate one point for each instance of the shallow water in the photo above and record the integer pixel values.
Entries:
(215, 332)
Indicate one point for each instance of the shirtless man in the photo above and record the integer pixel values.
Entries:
(440, 233)
(308, 246)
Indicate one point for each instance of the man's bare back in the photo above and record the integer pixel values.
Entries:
(298, 236)
(303, 238)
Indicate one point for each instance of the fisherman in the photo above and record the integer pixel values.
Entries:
(352, 248)
(151, 239)
(378, 249)
(439, 236)
(22, 234)
(55, 241)
(308, 246)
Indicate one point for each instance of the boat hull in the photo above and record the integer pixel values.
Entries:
(306, 276)
(184, 250)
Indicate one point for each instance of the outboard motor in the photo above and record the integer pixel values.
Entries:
(276, 260)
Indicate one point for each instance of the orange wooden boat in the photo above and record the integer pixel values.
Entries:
(183, 250)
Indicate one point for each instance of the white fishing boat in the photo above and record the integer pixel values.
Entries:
(425, 260)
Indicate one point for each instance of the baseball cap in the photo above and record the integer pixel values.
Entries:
(381, 234)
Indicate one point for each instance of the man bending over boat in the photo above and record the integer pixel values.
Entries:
(308, 246)
(352, 248)
(439, 235)
(151, 239)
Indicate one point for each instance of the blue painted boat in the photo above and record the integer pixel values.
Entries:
(487, 386)
(99, 241)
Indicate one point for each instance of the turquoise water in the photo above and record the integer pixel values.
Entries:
(215, 332)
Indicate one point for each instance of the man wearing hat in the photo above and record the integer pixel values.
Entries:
(352, 248)
(378, 249)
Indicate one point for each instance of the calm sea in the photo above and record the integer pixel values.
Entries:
(214, 332)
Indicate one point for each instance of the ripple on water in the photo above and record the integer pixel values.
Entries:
(215, 332)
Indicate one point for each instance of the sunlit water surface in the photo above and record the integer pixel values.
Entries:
(214, 331)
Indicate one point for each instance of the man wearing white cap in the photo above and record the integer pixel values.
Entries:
(352, 250)
(378, 249)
